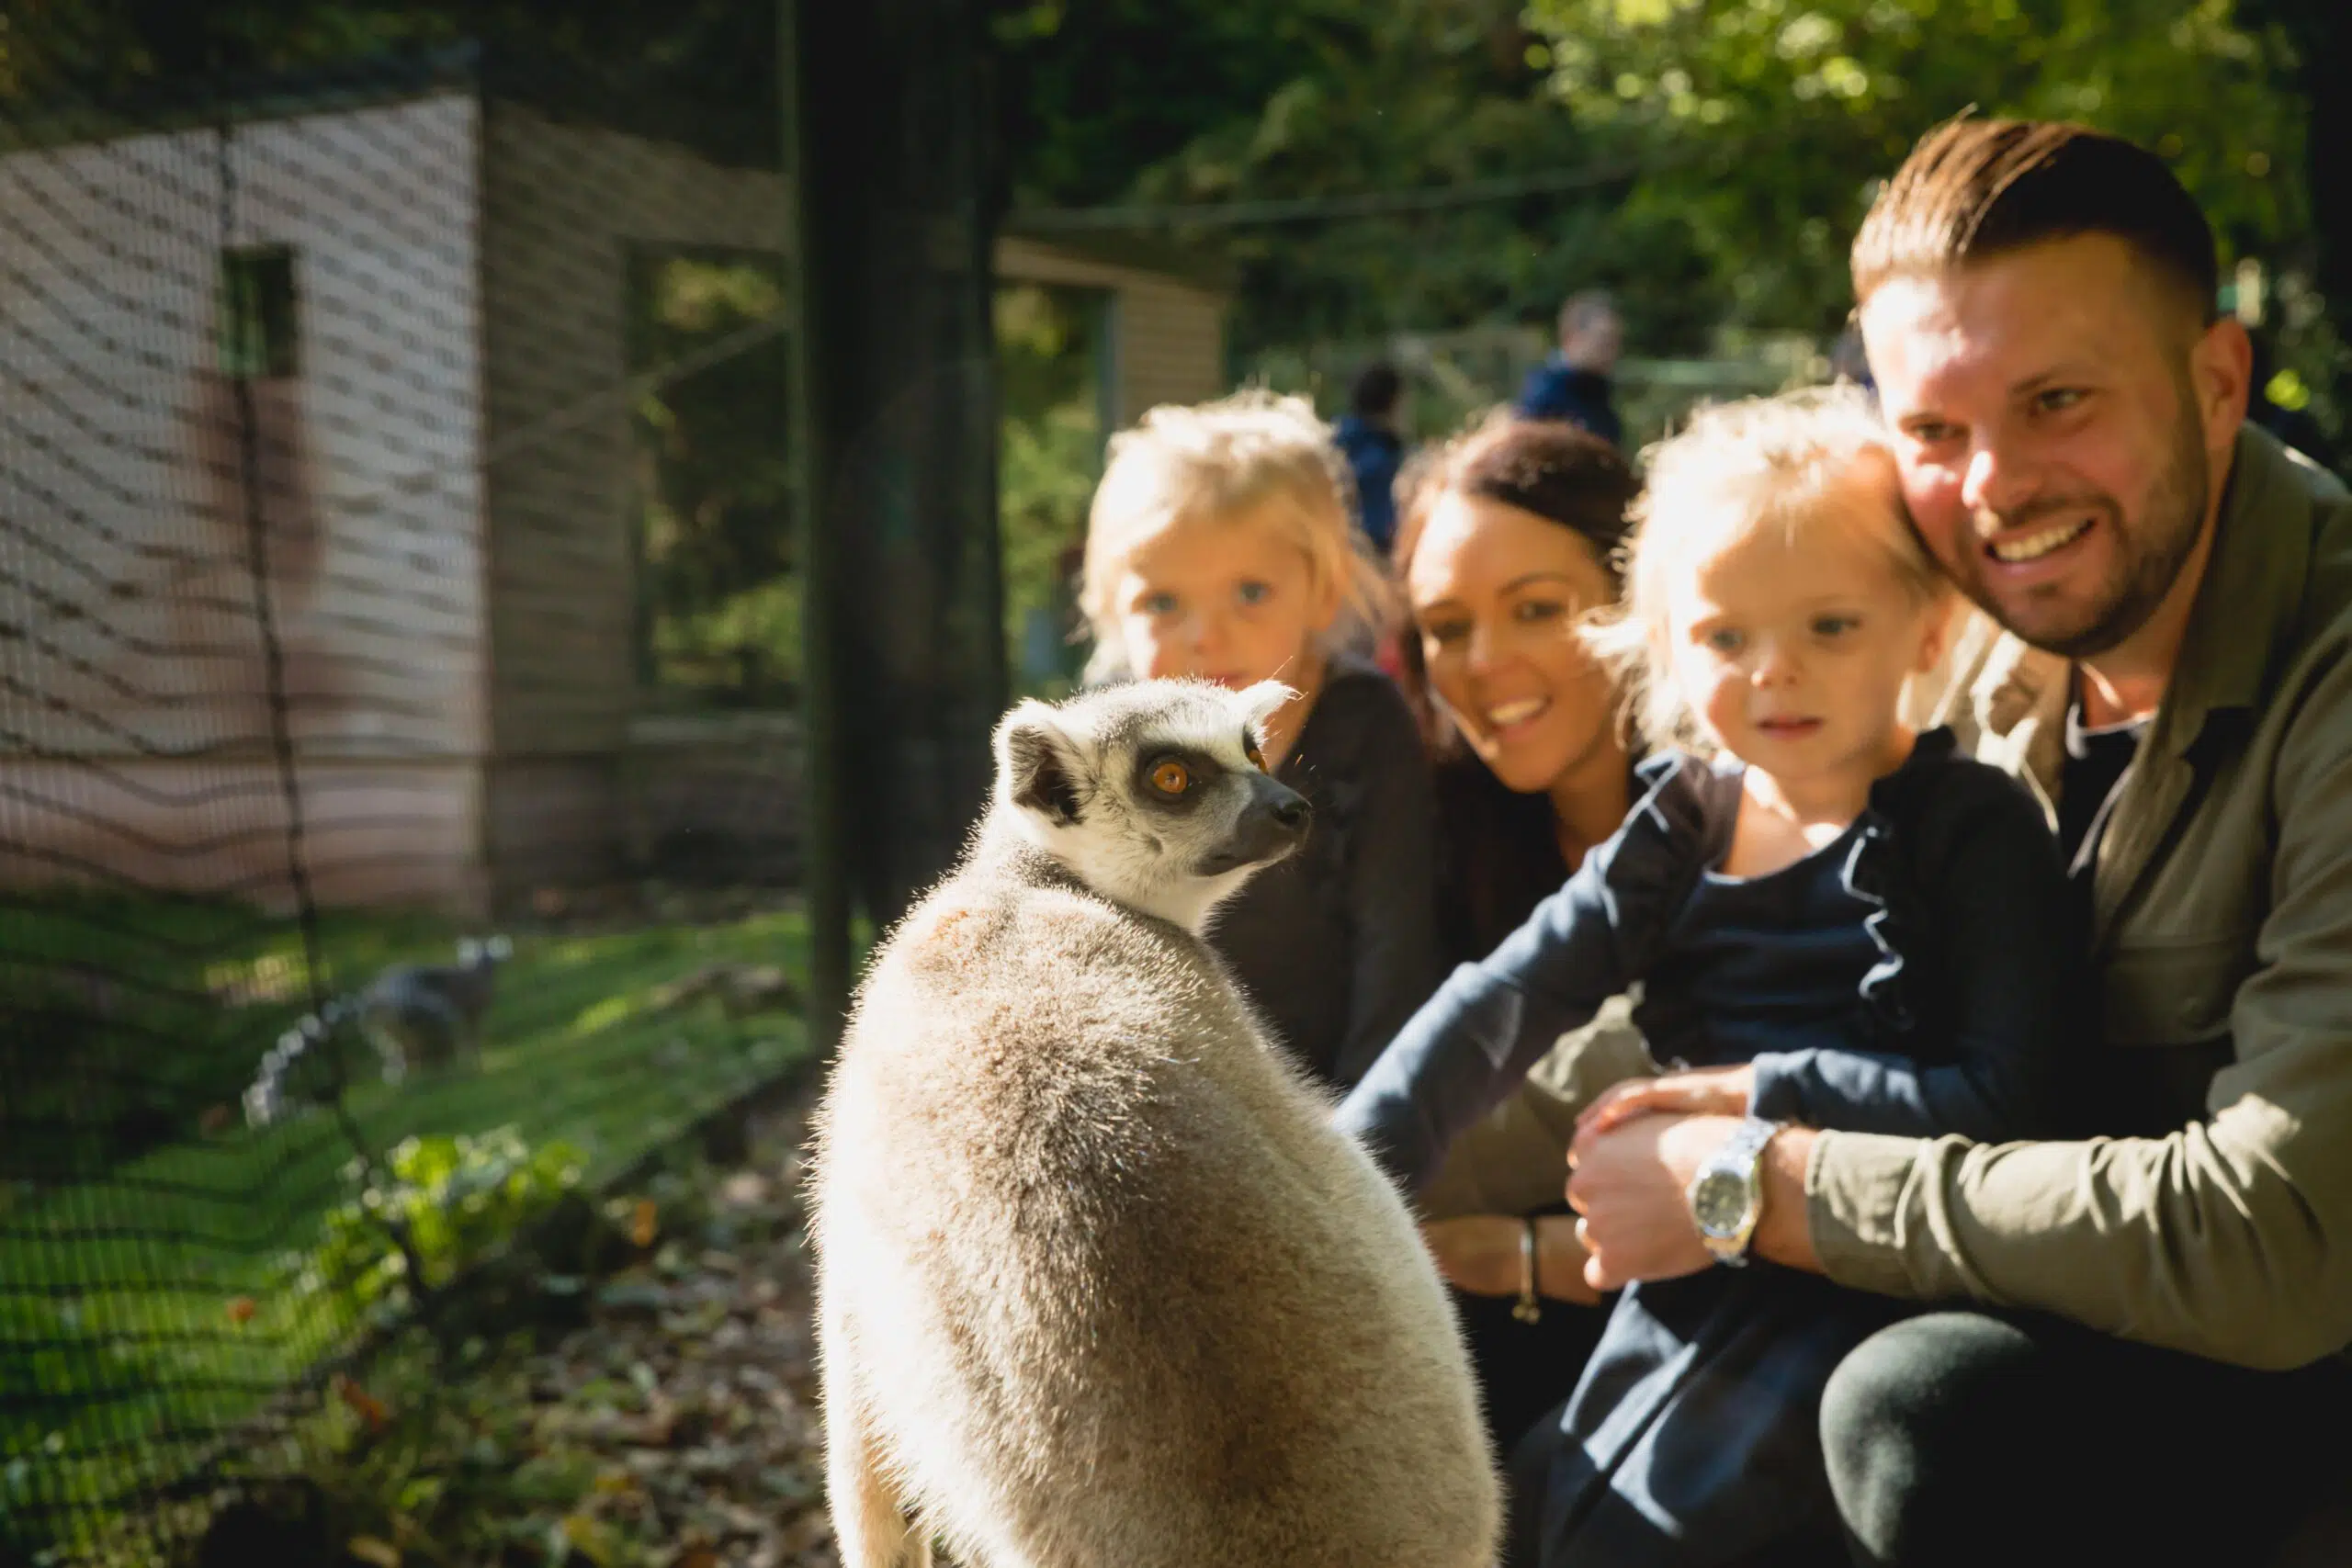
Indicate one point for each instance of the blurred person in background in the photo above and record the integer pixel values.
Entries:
(1369, 438)
(1574, 384)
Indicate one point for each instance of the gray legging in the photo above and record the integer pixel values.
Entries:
(2018, 1440)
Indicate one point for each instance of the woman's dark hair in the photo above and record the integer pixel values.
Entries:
(1546, 466)
(1503, 854)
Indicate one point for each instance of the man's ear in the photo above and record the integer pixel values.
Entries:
(1035, 763)
(2220, 366)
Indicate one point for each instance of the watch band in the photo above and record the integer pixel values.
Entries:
(1741, 1157)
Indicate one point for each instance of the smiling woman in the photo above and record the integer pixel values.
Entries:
(1506, 540)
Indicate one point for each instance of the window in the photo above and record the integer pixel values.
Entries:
(257, 332)
(717, 587)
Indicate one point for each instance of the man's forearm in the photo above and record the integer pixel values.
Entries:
(1783, 1233)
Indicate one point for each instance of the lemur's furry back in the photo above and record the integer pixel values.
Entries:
(1098, 1285)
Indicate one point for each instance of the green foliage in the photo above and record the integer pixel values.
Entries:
(1093, 92)
(1421, 94)
(1758, 127)
(1771, 120)
(456, 1199)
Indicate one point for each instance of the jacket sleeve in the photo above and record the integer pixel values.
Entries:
(1391, 888)
(1995, 901)
(1476, 1038)
(2231, 1238)
(1542, 395)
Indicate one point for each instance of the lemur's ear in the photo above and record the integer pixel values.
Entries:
(1035, 763)
(1259, 701)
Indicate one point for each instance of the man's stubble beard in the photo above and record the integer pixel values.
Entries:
(2146, 566)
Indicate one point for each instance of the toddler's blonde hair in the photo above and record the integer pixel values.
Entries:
(1792, 463)
(1189, 463)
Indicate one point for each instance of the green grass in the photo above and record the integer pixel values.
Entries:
(123, 1296)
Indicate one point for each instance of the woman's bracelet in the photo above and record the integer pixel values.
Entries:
(1530, 1306)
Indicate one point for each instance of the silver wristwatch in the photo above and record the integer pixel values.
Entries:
(1728, 1192)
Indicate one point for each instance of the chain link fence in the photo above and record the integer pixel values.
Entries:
(395, 552)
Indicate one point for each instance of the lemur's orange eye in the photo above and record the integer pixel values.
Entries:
(1250, 749)
(1170, 777)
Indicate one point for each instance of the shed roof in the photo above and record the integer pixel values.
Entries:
(1202, 268)
(740, 133)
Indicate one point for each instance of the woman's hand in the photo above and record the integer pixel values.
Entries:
(1705, 1091)
(1479, 1254)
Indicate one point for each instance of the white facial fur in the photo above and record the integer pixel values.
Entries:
(1090, 816)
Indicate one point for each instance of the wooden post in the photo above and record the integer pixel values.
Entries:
(893, 158)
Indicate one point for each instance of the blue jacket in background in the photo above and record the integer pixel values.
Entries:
(1556, 390)
(1374, 455)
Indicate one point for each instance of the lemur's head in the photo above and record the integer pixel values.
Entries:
(1153, 793)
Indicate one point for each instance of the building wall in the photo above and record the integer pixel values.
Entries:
(134, 728)
(1170, 334)
(562, 207)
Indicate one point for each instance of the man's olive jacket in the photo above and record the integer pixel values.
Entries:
(2222, 920)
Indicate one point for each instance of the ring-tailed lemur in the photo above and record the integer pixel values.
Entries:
(1098, 1281)
(414, 1015)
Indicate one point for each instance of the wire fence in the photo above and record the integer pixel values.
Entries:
(394, 562)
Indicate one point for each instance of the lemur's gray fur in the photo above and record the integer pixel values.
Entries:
(414, 1015)
(427, 1015)
(1098, 1285)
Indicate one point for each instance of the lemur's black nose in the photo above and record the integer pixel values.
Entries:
(1294, 812)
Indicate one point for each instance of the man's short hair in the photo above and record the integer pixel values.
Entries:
(1977, 189)
(1586, 309)
(1374, 395)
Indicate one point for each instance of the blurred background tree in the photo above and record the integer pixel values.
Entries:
(1733, 145)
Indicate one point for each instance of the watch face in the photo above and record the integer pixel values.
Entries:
(1719, 1202)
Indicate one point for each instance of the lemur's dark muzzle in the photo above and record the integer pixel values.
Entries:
(1272, 824)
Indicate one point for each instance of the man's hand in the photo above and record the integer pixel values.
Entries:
(1703, 1092)
(1631, 1182)
(1480, 1254)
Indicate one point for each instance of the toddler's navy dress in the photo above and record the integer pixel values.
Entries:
(1916, 975)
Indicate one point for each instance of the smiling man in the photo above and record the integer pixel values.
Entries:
(2153, 1370)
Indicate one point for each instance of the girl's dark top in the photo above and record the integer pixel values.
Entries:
(1336, 946)
(1914, 975)
(1498, 857)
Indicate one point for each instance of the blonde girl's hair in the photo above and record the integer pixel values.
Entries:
(1732, 472)
(1185, 463)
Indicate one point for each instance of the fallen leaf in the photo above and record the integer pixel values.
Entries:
(366, 1406)
(371, 1549)
(643, 1224)
(584, 1535)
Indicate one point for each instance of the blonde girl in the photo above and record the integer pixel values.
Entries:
(1220, 547)
(1832, 919)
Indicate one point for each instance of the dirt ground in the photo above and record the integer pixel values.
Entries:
(693, 1388)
